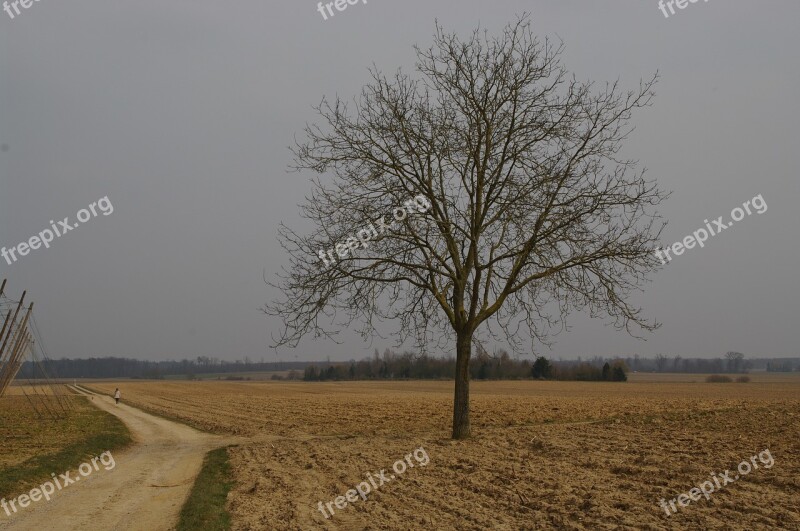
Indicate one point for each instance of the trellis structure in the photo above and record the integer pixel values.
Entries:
(19, 341)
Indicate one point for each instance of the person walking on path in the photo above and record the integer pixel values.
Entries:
(116, 395)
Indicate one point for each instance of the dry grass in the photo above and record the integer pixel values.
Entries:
(24, 435)
(34, 447)
(545, 454)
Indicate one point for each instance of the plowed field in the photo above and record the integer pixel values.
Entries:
(569, 455)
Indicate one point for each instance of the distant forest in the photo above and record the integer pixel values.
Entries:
(408, 365)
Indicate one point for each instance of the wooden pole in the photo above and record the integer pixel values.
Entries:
(9, 366)
(8, 369)
(2, 333)
(20, 335)
(14, 320)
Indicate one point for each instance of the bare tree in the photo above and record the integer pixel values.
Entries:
(661, 362)
(735, 361)
(533, 212)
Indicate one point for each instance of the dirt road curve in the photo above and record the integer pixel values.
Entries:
(144, 491)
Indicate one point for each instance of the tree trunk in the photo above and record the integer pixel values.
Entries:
(461, 428)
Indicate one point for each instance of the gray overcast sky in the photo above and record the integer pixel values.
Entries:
(181, 113)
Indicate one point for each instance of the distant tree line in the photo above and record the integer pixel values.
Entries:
(499, 366)
(614, 371)
(408, 365)
(731, 362)
(110, 367)
(782, 366)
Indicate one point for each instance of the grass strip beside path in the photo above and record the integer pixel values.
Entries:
(205, 507)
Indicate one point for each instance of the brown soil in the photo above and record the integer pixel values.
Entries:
(564, 455)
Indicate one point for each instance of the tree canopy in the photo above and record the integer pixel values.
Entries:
(533, 211)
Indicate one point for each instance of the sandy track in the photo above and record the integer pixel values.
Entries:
(144, 491)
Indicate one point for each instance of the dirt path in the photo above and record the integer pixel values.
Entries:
(143, 491)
